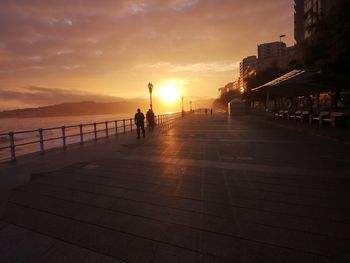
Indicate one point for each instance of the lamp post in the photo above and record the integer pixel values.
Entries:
(191, 106)
(281, 54)
(282, 36)
(182, 107)
(150, 88)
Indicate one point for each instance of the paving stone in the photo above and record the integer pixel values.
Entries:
(224, 246)
(21, 245)
(89, 214)
(3, 224)
(183, 237)
(103, 201)
(171, 254)
(44, 203)
(139, 226)
(64, 252)
(92, 257)
(208, 190)
(184, 218)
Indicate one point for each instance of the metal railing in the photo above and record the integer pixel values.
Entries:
(40, 140)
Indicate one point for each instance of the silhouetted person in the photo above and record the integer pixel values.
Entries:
(206, 111)
(211, 111)
(139, 121)
(150, 119)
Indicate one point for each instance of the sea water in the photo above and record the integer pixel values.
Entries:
(25, 124)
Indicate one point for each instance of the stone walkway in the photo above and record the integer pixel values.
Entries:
(211, 189)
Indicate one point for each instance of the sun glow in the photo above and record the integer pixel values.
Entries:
(169, 93)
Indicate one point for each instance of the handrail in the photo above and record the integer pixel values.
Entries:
(107, 128)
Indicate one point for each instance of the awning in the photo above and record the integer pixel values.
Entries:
(294, 83)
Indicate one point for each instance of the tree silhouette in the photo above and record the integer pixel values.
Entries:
(264, 76)
(225, 98)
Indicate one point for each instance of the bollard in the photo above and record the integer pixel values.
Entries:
(81, 134)
(12, 146)
(116, 128)
(41, 139)
(64, 136)
(124, 126)
(95, 131)
(106, 129)
(130, 125)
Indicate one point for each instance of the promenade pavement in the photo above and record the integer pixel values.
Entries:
(210, 189)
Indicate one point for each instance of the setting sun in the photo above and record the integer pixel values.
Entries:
(169, 93)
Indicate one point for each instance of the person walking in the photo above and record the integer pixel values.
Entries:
(140, 124)
(150, 119)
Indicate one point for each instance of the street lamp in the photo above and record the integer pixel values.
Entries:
(282, 36)
(150, 88)
(182, 107)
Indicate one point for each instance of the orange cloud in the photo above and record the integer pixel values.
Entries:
(116, 47)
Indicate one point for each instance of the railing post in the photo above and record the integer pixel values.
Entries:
(130, 125)
(106, 129)
(81, 134)
(95, 131)
(12, 146)
(64, 136)
(124, 126)
(41, 139)
(116, 128)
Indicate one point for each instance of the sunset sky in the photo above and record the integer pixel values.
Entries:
(52, 51)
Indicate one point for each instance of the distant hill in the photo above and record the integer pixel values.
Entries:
(77, 108)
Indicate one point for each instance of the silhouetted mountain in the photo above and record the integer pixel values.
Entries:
(78, 108)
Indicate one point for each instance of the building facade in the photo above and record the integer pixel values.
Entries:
(307, 13)
(247, 67)
(299, 27)
(271, 50)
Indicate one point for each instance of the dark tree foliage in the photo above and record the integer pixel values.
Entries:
(264, 76)
(225, 98)
(328, 48)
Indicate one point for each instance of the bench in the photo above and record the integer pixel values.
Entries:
(290, 116)
(276, 115)
(297, 115)
(335, 119)
(282, 114)
(338, 119)
(305, 116)
(324, 117)
(285, 114)
(320, 117)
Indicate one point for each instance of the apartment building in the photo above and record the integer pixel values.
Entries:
(307, 13)
(246, 68)
(271, 50)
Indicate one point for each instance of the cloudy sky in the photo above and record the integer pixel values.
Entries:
(70, 50)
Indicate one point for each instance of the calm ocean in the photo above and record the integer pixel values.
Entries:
(22, 124)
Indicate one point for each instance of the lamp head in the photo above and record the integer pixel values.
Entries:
(150, 87)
